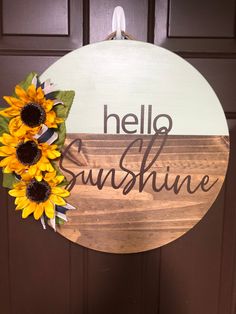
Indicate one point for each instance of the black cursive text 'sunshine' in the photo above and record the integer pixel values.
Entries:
(139, 179)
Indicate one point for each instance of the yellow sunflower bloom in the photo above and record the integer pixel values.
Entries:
(29, 111)
(26, 155)
(39, 197)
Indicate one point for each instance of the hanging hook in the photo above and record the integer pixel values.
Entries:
(118, 22)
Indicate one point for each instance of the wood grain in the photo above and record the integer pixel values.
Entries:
(107, 220)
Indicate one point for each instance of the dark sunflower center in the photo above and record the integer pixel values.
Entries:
(38, 192)
(33, 115)
(28, 153)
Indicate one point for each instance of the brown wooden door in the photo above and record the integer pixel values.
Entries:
(40, 271)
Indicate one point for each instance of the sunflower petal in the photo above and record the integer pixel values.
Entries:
(5, 161)
(50, 176)
(40, 94)
(29, 209)
(59, 179)
(21, 93)
(17, 193)
(49, 209)
(31, 91)
(39, 177)
(51, 120)
(45, 166)
(7, 150)
(23, 202)
(33, 170)
(9, 112)
(49, 167)
(17, 127)
(38, 211)
(9, 140)
(60, 191)
(47, 105)
(57, 200)
(26, 176)
(15, 102)
(53, 154)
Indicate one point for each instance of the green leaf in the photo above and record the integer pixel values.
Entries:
(59, 173)
(61, 130)
(62, 111)
(59, 221)
(9, 180)
(67, 98)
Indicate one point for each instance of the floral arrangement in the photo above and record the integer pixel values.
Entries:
(32, 133)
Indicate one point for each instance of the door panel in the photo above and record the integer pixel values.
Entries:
(41, 272)
(190, 267)
(196, 27)
(39, 267)
(220, 73)
(227, 296)
(15, 68)
(212, 18)
(41, 27)
(33, 17)
(4, 256)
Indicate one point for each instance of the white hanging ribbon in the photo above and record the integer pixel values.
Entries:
(118, 22)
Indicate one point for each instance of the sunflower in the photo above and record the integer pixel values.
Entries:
(26, 155)
(29, 110)
(39, 197)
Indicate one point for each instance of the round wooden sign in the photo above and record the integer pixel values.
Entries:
(147, 145)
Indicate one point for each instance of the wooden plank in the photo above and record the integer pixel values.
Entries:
(150, 282)
(4, 256)
(227, 300)
(78, 279)
(106, 219)
(114, 283)
(40, 267)
(190, 267)
(125, 284)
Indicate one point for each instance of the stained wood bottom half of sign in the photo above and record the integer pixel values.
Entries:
(109, 221)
